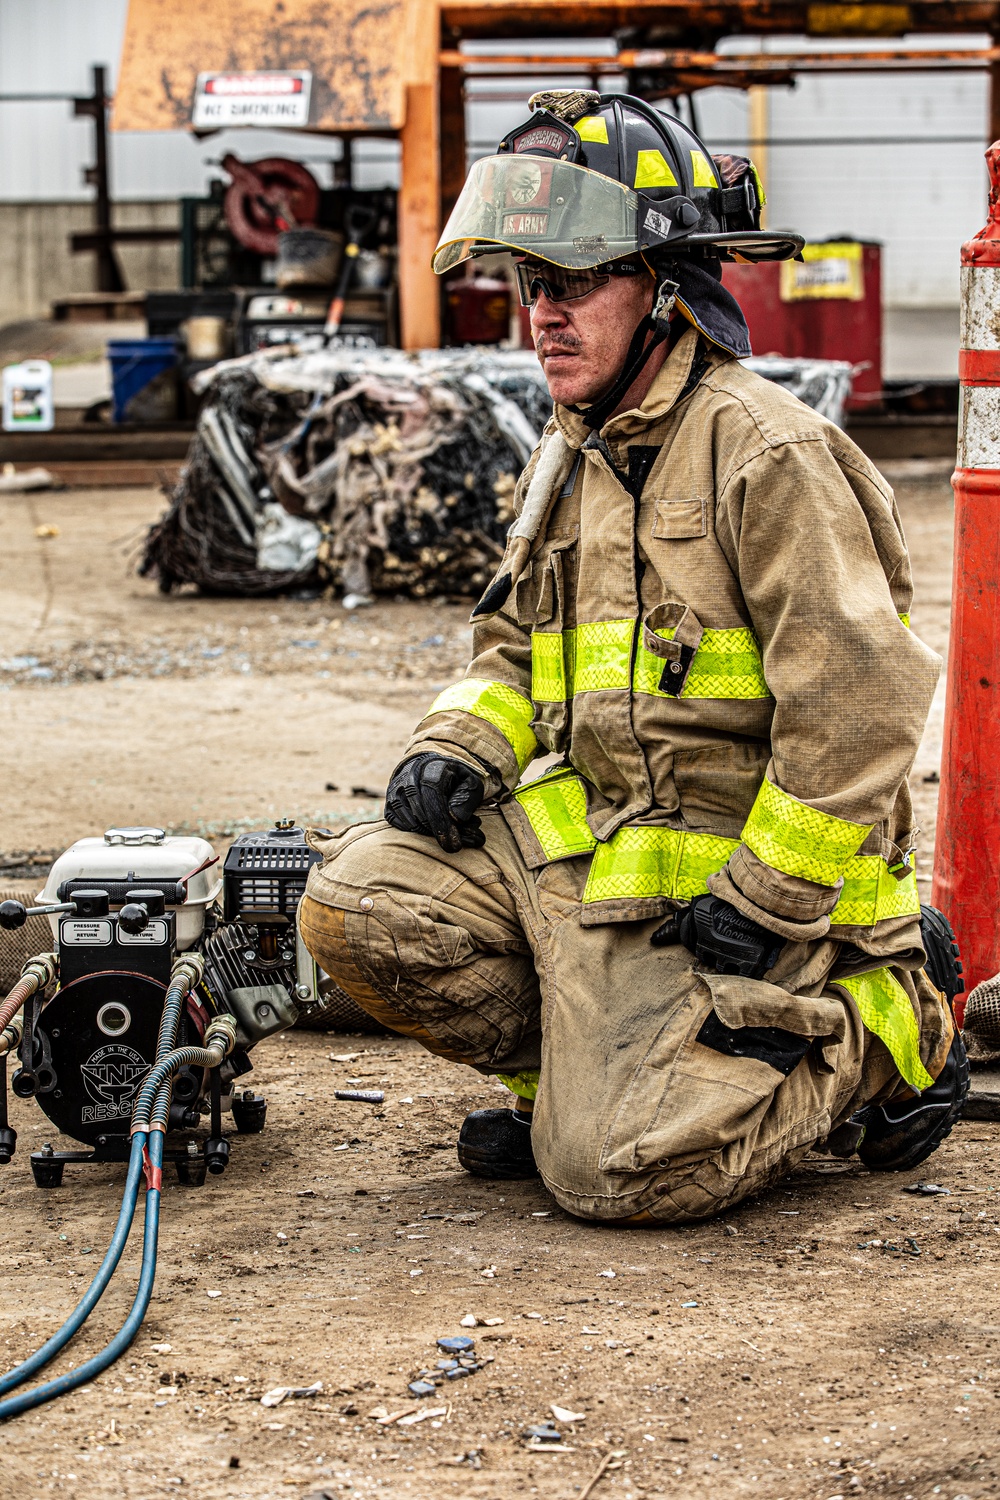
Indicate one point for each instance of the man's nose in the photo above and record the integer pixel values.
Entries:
(547, 314)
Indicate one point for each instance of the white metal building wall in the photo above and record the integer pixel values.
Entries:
(921, 200)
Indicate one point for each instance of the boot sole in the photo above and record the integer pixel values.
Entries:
(500, 1168)
(941, 1132)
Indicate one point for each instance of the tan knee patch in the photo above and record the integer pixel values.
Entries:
(324, 931)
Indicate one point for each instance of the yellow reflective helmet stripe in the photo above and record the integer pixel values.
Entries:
(727, 664)
(524, 1084)
(799, 840)
(655, 862)
(653, 170)
(703, 173)
(593, 128)
(885, 1009)
(758, 183)
(500, 705)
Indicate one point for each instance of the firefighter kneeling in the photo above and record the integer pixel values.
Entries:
(692, 948)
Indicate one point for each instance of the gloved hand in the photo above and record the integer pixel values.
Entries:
(721, 938)
(436, 795)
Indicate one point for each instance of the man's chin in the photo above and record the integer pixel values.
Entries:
(563, 378)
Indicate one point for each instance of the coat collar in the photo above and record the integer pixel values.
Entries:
(667, 386)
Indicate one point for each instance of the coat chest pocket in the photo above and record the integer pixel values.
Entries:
(675, 519)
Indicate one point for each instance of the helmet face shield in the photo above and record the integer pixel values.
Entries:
(547, 209)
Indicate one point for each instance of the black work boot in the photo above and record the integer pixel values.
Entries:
(497, 1143)
(903, 1133)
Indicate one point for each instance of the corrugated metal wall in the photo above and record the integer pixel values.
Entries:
(921, 199)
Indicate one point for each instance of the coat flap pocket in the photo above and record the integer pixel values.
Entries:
(676, 519)
(540, 590)
(739, 1003)
(684, 629)
(672, 633)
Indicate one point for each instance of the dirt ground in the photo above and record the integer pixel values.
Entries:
(846, 1355)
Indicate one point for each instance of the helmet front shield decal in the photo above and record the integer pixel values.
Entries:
(549, 209)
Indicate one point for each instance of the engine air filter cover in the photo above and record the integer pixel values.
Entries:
(265, 875)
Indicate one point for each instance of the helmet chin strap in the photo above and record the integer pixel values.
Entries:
(655, 323)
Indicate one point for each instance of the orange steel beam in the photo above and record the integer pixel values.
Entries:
(719, 64)
(496, 18)
(419, 201)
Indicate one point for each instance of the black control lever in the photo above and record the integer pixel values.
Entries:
(14, 914)
(140, 906)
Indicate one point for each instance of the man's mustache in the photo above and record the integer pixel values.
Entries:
(558, 344)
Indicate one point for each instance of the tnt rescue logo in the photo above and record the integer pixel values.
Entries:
(111, 1076)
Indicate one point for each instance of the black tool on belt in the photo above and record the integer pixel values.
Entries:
(721, 938)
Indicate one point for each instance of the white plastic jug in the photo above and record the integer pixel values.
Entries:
(27, 397)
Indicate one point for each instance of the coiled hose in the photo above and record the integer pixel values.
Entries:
(150, 1118)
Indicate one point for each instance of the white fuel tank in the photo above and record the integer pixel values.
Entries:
(137, 857)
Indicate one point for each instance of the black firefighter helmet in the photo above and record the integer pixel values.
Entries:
(590, 178)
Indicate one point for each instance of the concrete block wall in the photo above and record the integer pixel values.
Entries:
(36, 264)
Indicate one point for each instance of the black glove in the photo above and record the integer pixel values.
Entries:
(721, 938)
(436, 795)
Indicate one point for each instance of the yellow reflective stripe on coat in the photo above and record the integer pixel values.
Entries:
(886, 1010)
(600, 656)
(548, 666)
(595, 657)
(655, 862)
(499, 705)
(556, 806)
(798, 840)
(524, 1085)
(871, 894)
(727, 664)
(646, 862)
(589, 659)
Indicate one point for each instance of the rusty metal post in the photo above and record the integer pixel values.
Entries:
(967, 858)
(109, 277)
(452, 138)
(994, 107)
(419, 204)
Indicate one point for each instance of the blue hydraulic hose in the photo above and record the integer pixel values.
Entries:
(95, 1291)
(14, 1405)
(169, 1020)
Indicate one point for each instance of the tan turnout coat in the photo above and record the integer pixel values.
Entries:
(731, 573)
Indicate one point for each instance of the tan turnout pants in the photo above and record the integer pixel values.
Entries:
(487, 962)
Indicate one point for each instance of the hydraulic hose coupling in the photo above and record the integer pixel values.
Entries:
(220, 1035)
(190, 969)
(43, 968)
(10, 1037)
(37, 973)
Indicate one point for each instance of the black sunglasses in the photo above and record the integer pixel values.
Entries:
(566, 284)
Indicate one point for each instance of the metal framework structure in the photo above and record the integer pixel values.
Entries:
(408, 79)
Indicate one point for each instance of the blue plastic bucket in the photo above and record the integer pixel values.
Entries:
(135, 364)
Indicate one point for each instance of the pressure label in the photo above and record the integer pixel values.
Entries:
(152, 935)
(78, 933)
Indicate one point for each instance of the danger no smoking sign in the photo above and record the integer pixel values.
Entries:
(271, 99)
